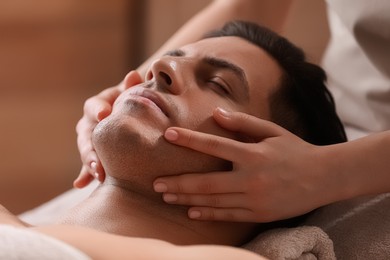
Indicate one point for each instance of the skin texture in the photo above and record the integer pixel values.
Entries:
(187, 85)
(181, 89)
(95, 243)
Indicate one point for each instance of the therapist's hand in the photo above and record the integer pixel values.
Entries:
(96, 109)
(272, 179)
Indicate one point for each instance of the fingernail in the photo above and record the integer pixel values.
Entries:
(170, 197)
(96, 175)
(194, 214)
(160, 187)
(93, 166)
(223, 112)
(171, 135)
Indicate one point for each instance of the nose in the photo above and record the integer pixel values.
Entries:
(165, 72)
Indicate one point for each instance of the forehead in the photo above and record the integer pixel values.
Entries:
(261, 70)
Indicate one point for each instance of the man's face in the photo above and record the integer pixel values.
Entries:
(183, 88)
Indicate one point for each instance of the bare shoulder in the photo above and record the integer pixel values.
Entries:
(6, 217)
(218, 252)
(95, 244)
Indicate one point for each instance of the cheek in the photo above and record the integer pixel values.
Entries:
(198, 121)
(196, 113)
(201, 119)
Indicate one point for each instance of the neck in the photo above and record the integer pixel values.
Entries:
(116, 209)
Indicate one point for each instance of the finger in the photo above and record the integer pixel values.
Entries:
(222, 214)
(84, 143)
(95, 167)
(92, 165)
(99, 107)
(252, 126)
(84, 127)
(217, 146)
(230, 200)
(83, 179)
(132, 78)
(96, 109)
(100, 174)
(110, 94)
(215, 182)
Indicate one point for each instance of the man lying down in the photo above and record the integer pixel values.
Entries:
(241, 67)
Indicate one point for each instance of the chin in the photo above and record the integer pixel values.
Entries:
(136, 154)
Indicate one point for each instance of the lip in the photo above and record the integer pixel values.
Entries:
(152, 96)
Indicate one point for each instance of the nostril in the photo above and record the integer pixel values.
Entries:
(166, 77)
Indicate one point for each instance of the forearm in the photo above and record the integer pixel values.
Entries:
(269, 13)
(359, 167)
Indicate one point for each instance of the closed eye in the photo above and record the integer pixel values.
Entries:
(220, 84)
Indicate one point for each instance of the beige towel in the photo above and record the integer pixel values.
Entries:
(303, 243)
(359, 228)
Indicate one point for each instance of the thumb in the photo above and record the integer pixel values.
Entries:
(132, 78)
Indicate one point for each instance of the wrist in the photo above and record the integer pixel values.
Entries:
(333, 180)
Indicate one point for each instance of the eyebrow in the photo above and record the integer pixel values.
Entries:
(221, 64)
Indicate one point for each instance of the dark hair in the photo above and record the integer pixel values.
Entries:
(302, 104)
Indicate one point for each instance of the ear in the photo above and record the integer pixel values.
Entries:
(132, 78)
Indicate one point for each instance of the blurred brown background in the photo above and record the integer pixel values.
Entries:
(54, 54)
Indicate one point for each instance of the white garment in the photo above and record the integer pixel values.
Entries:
(357, 62)
(22, 243)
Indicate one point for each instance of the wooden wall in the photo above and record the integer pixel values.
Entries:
(53, 55)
